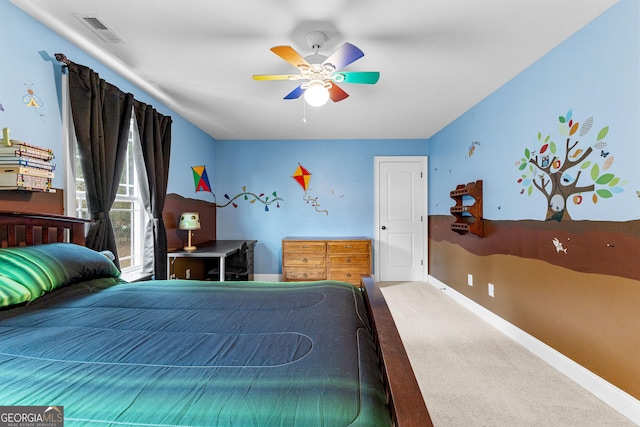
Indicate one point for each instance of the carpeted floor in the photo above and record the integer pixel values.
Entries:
(471, 374)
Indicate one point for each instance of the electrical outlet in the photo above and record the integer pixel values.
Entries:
(491, 290)
(470, 279)
(188, 273)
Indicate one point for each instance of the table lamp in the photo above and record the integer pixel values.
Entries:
(189, 221)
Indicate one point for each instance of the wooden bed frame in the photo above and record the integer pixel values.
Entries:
(405, 399)
(17, 229)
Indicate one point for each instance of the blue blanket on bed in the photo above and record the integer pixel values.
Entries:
(191, 353)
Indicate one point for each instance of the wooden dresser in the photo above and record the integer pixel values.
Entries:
(323, 258)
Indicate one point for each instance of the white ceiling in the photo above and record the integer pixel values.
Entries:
(437, 58)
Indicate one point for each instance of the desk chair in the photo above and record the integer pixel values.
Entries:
(236, 266)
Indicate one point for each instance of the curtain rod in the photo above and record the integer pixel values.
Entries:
(128, 74)
(60, 57)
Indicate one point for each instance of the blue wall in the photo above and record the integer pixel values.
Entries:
(341, 182)
(27, 50)
(595, 73)
(580, 299)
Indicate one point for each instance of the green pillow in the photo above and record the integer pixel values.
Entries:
(43, 268)
(12, 292)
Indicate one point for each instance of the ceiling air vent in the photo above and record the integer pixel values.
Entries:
(99, 27)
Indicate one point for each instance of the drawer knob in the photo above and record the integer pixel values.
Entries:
(349, 275)
(304, 260)
(305, 275)
(348, 259)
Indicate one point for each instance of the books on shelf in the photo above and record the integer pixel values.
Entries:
(26, 167)
(26, 161)
(19, 148)
(25, 170)
(19, 180)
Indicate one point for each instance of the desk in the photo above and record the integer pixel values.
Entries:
(214, 249)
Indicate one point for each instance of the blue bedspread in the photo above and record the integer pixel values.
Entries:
(190, 353)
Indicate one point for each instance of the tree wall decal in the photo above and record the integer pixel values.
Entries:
(570, 173)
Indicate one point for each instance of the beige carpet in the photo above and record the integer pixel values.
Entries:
(471, 374)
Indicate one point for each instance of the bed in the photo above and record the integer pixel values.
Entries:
(190, 353)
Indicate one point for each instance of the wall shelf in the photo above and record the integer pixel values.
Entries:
(468, 217)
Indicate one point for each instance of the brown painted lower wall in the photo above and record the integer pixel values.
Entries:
(591, 318)
(34, 202)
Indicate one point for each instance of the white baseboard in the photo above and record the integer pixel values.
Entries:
(267, 277)
(618, 399)
(273, 277)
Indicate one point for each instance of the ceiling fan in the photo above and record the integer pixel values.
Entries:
(320, 72)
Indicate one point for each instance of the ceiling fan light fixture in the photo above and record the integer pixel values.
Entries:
(322, 73)
(316, 94)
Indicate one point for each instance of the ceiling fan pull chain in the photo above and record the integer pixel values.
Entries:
(304, 112)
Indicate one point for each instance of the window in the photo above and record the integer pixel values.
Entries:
(127, 213)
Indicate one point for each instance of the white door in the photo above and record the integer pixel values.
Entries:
(401, 215)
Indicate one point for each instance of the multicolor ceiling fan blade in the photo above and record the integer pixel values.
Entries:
(296, 93)
(276, 76)
(290, 55)
(343, 56)
(336, 93)
(364, 77)
(328, 74)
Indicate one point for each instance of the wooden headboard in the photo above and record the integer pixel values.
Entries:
(18, 229)
(33, 202)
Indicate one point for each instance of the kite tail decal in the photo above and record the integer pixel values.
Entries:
(314, 202)
(266, 201)
(201, 182)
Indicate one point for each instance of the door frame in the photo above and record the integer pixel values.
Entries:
(424, 160)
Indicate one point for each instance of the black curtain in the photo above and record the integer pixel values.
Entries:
(101, 116)
(154, 131)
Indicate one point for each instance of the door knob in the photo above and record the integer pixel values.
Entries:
(384, 228)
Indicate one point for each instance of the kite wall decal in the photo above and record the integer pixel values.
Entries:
(201, 182)
(201, 179)
(303, 177)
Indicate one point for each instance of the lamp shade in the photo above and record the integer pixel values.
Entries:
(316, 95)
(189, 221)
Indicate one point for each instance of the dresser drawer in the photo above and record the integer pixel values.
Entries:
(302, 260)
(293, 274)
(344, 275)
(306, 247)
(351, 247)
(347, 260)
